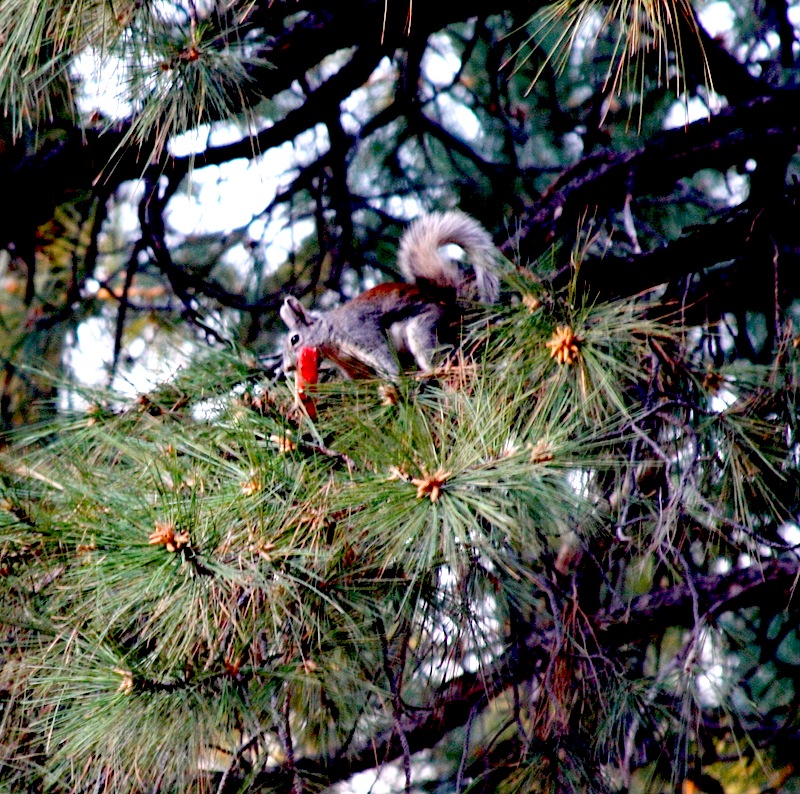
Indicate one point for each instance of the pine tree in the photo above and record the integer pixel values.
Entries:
(565, 561)
(529, 566)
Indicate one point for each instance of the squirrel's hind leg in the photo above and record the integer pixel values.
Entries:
(422, 340)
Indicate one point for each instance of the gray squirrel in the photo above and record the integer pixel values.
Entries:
(363, 336)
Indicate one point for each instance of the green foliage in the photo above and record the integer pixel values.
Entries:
(178, 71)
(183, 76)
(205, 583)
(40, 41)
(564, 562)
(627, 34)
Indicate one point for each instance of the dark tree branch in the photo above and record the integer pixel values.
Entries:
(427, 126)
(302, 43)
(730, 77)
(649, 615)
(319, 105)
(700, 248)
(152, 224)
(779, 17)
(340, 198)
(599, 183)
(124, 303)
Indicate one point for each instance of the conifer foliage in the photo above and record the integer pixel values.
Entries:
(530, 567)
(565, 561)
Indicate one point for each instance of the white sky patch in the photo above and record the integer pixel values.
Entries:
(210, 410)
(790, 532)
(579, 480)
(359, 107)
(407, 207)
(721, 565)
(733, 190)
(123, 212)
(232, 195)
(86, 356)
(715, 668)
(90, 360)
(199, 139)
(721, 400)
(388, 778)
(585, 37)
(310, 145)
(717, 18)
(737, 187)
(764, 49)
(223, 198)
(283, 240)
(458, 117)
(440, 63)
(684, 112)
(573, 145)
(329, 66)
(103, 85)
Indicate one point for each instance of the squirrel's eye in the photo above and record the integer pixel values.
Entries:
(294, 339)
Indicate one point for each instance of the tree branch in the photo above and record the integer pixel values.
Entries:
(646, 616)
(600, 181)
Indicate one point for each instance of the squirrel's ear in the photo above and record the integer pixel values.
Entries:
(293, 313)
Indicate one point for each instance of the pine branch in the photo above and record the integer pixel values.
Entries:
(320, 104)
(699, 249)
(458, 700)
(770, 583)
(602, 181)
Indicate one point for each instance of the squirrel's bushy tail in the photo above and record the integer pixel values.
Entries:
(419, 257)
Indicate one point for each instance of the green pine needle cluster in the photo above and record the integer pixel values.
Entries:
(174, 69)
(626, 34)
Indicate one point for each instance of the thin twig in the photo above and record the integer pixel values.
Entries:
(465, 750)
(285, 733)
(397, 706)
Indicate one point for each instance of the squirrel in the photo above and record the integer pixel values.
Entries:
(363, 336)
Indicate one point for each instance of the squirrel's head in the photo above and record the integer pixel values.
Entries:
(299, 322)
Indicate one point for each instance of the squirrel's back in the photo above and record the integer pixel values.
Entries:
(420, 259)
